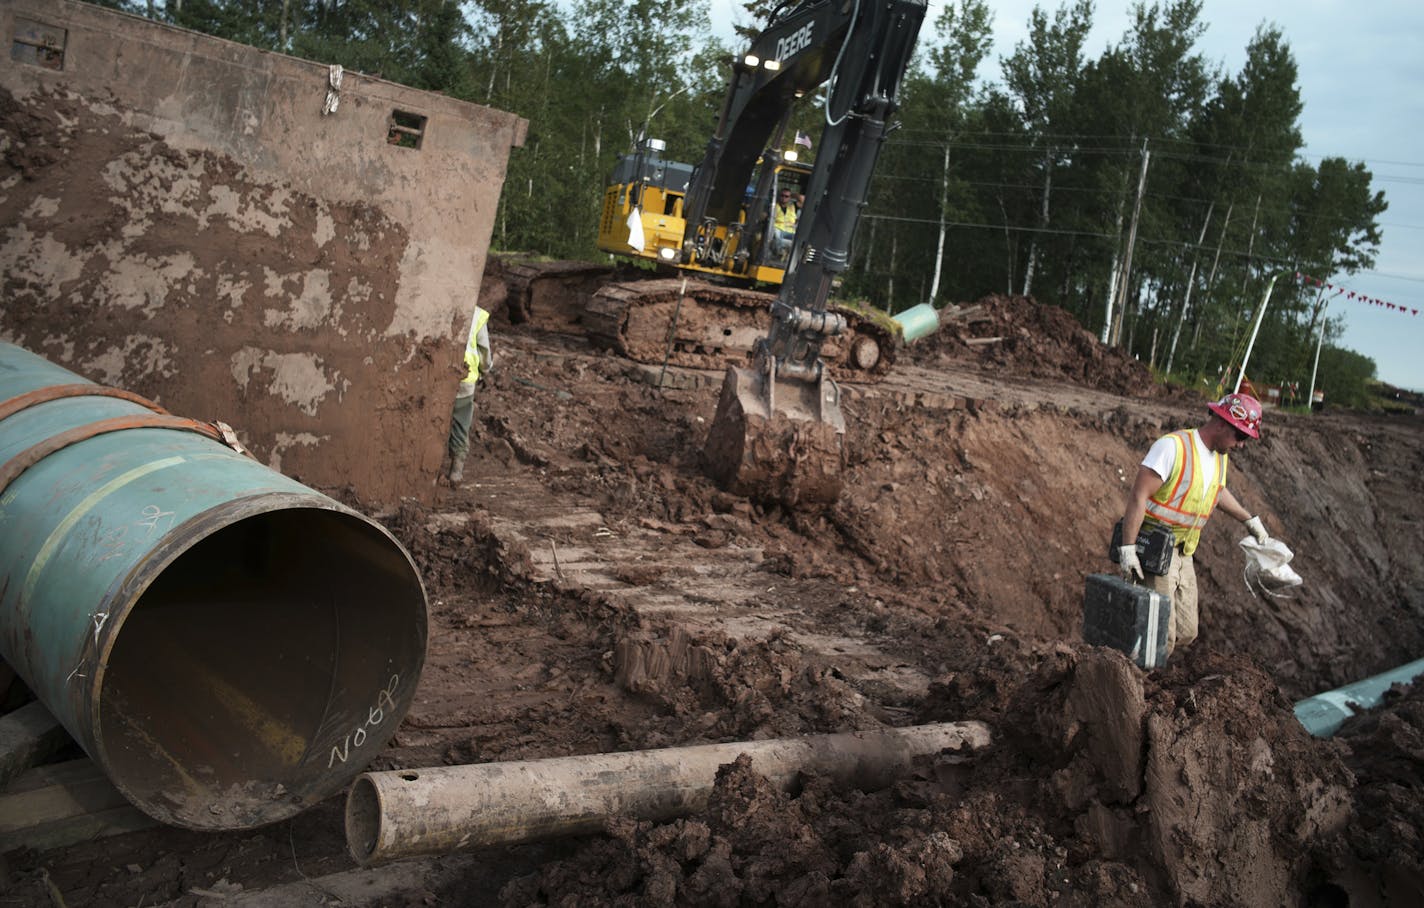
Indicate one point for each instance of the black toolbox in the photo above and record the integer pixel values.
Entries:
(1126, 617)
(1154, 548)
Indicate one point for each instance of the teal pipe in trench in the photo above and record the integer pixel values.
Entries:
(917, 321)
(1323, 714)
(229, 645)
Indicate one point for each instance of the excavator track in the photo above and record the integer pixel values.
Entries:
(712, 326)
(540, 292)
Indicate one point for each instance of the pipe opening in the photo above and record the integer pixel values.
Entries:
(363, 820)
(261, 668)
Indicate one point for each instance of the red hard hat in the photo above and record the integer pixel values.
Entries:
(1242, 411)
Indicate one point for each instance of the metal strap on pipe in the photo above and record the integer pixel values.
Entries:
(57, 392)
(12, 468)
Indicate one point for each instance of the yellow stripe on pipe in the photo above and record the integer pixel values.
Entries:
(80, 510)
(279, 737)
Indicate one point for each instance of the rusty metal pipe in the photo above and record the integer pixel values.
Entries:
(407, 812)
(228, 645)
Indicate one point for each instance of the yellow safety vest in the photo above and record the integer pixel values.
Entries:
(1185, 501)
(785, 218)
(472, 350)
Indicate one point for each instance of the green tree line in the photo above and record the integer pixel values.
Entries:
(1145, 190)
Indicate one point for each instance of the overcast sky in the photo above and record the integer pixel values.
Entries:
(1361, 77)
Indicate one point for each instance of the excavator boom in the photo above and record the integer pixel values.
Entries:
(778, 434)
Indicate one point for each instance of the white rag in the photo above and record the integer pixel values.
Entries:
(1268, 567)
(635, 229)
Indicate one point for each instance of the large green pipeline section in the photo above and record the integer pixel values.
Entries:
(229, 645)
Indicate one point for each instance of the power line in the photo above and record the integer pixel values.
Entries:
(1244, 164)
(1058, 231)
(1132, 146)
(1394, 277)
(1059, 188)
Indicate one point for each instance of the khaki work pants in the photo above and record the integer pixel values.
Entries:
(1179, 585)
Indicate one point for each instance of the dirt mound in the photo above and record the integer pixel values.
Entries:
(1104, 788)
(1018, 336)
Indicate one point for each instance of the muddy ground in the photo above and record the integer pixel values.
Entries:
(591, 591)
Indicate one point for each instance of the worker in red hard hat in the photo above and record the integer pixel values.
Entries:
(1179, 483)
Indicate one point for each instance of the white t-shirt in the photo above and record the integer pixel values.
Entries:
(1162, 456)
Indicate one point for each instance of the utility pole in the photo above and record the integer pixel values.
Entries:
(1122, 284)
(1256, 326)
(1310, 395)
(1321, 303)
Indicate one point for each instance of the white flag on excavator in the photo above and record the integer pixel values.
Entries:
(635, 229)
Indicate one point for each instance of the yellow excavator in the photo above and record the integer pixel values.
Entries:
(778, 433)
(716, 304)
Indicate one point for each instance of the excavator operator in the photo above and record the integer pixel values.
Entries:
(783, 222)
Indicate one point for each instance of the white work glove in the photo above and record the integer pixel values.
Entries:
(1127, 561)
(1256, 528)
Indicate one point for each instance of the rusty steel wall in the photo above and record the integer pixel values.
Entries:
(190, 219)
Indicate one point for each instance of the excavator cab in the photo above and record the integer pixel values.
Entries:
(642, 205)
(643, 218)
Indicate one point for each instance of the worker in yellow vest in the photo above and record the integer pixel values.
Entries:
(479, 359)
(784, 215)
(1179, 483)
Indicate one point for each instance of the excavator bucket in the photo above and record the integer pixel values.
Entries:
(777, 439)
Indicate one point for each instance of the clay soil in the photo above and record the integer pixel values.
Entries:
(590, 591)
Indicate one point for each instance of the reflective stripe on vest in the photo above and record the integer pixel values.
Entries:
(472, 350)
(1186, 499)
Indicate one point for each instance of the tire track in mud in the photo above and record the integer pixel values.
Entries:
(685, 592)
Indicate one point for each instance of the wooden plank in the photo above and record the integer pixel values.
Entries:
(55, 806)
(70, 772)
(388, 884)
(73, 830)
(28, 736)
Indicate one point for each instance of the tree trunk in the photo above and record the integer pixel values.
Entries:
(890, 282)
(870, 247)
(1131, 310)
(943, 228)
(1246, 273)
(1187, 297)
(1008, 249)
(1112, 276)
(1131, 241)
(1042, 222)
(1211, 277)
